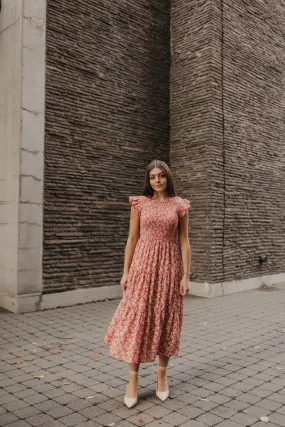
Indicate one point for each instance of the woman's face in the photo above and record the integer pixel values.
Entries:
(157, 179)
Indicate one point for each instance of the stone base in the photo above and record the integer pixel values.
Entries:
(35, 302)
(21, 303)
(213, 290)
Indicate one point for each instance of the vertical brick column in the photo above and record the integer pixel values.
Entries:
(196, 150)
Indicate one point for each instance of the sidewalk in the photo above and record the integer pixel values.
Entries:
(56, 371)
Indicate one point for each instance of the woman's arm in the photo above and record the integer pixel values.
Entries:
(185, 250)
(132, 239)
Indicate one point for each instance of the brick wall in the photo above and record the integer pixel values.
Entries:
(254, 130)
(227, 119)
(107, 116)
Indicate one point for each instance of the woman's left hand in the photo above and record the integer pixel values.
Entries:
(184, 285)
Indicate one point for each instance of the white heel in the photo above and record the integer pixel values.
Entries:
(131, 401)
(162, 395)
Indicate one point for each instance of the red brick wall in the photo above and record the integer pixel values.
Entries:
(107, 116)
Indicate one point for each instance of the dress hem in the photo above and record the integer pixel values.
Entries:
(138, 361)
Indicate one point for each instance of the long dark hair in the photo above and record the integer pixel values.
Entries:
(148, 190)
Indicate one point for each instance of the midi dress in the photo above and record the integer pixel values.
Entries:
(148, 319)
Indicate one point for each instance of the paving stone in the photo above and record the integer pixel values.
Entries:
(244, 419)
(64, 399)
(108, 418)
(26, 412)
(15, 404)
(190, 412)
(125, 412)
(7, 418)
(53, 423)
(187, 398)
(140, 419)
(157, 411)
(43, 387)
(34, 399)
(224, 412)
(193, 423)
(25, 393)
(260, 392)
(144, 404)
(15, 387)
(20, 423)
(220, 399)
(157, 423)
(237, 405)
(277, 397)
(175, 418)
(8, 382)
(38, 420)
(278, 419)
(229, 423)
(47, 405)
(79, 404)
(257, 411)
(92, 412)
(231, 392)
(205, 405)
(59, 411)
(271, 386)
(173, 404)
(269, 404)
(72, 419)
(262, 424)
(125, 423)
(248, 398)
(90, 423)
(209, 419)
(56, 392)
(7, 398)
(243, 386)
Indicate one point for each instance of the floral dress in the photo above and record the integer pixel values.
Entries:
(148, 319)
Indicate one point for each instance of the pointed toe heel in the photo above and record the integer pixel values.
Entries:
(131, 401)
(162, 395)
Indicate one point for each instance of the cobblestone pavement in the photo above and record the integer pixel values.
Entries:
(56, 371)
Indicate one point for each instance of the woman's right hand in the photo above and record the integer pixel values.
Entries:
(124, 280)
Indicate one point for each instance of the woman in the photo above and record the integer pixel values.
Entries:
(148, 319)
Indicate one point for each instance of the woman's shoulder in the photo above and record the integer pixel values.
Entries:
(137, 198)
(137, 202)
(179, 198)
(182, 205)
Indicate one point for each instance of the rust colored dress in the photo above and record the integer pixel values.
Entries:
(148, 319)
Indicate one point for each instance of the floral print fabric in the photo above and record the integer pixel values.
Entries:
(148, 319)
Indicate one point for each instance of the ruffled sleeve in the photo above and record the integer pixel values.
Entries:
(136, 202)
(183, 206)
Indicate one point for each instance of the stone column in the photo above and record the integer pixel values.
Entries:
(22, 94)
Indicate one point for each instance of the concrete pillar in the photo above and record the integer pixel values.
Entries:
(22, 94)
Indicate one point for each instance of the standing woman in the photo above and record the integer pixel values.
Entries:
(148, 319)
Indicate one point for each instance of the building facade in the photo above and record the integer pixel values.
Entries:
(90, 93)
